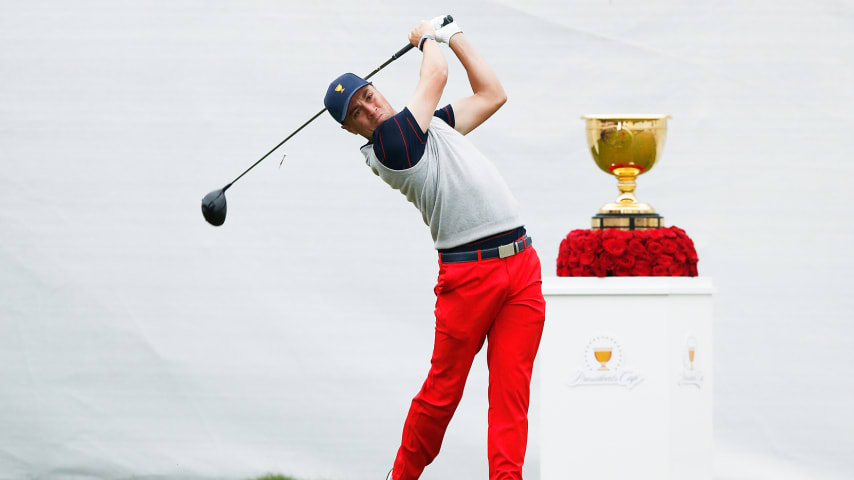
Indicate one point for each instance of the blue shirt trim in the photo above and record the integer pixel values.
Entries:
(399, 142)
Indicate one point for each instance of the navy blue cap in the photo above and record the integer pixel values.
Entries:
(339, 93)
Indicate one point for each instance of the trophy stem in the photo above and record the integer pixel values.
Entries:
(626, 184)
(626, 202)
(627, 213)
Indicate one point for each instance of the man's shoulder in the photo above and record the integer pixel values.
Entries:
(398, 121)
(398, 142)
(446, 114)
(405, 118)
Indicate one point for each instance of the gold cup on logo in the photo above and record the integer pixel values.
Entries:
(626, 145)
(692, 351)
(603, 356)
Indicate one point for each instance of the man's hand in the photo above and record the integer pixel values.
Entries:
(424, 28)
(444, 34)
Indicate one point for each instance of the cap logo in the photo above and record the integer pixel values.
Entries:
(339, 88)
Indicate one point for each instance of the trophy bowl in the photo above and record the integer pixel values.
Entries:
(626, 145)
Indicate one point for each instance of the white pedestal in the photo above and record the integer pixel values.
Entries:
(648, 413)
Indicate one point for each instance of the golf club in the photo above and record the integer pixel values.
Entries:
(214, 206)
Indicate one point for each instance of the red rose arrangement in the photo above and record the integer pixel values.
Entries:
(659, 252)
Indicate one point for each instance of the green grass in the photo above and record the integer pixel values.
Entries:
(274, 477)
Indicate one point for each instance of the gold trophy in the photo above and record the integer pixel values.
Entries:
(626, 145)
(603, 356)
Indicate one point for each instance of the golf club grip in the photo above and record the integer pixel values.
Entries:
(408, 47)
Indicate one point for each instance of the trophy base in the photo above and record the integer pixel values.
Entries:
(625, 207)
(627, 221)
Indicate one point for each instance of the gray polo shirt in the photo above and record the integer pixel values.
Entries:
(459, 192)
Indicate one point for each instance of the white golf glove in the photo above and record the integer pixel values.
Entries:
(444, 34)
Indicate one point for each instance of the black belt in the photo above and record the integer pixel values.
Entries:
(503, 251)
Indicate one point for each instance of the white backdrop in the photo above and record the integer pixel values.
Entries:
(138, 341)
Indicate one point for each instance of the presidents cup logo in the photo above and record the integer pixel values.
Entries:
(603, 362)
(690, 374)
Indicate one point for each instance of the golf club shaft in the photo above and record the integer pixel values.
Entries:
(274, 148)
(400, 53)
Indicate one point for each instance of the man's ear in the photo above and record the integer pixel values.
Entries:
(346, 127)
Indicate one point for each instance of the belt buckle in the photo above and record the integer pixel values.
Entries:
(508, 250)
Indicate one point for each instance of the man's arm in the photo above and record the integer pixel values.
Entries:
(488, 96)
(432, 78)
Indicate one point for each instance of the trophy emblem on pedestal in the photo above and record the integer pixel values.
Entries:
(626, 145)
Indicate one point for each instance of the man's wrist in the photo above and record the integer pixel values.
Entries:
(425, 37)
(452, 36)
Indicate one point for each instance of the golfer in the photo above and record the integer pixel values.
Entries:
(489, 285)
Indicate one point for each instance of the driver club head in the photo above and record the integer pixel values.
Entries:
(214, 207)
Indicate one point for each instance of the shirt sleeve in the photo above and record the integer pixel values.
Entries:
(446, 113)
(399, 142)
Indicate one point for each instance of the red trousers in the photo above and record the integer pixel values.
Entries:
(496, 299)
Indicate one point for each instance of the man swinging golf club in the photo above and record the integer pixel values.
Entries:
(489, 275)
